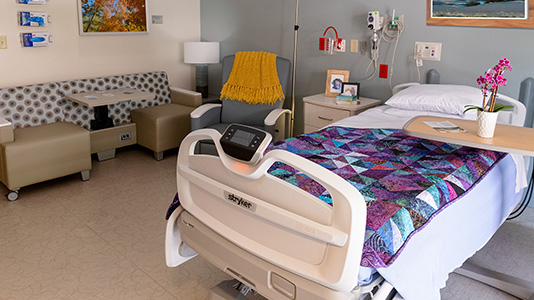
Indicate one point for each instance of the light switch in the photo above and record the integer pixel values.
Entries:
(3, 42)
(354, 46)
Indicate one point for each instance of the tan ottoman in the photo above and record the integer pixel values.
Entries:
(162, 127)
(45, 152)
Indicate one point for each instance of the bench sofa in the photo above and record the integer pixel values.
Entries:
(45, 136)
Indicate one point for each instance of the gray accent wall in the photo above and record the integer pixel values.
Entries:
(267, 25)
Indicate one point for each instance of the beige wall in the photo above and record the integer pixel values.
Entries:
(72, 56)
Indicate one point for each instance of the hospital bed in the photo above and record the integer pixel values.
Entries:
(287, 243)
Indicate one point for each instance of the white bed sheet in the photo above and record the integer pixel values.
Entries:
(420, 274)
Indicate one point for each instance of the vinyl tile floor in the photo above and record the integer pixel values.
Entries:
(104, 239)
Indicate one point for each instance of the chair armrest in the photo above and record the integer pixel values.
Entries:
(185, 97)
(205, 115)
(271, 118)
(269, 124)
(6, 131)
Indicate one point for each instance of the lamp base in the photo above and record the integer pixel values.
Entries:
(203, 90)
(202, 80)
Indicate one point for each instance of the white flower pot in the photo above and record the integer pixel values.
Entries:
(486, 122)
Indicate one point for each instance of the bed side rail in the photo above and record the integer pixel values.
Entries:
(432, 77)
(227, 184)
(176, 251)
(403, 86)
(526, 96)
(516, 116)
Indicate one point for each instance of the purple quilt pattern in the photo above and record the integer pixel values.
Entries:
(404, 180)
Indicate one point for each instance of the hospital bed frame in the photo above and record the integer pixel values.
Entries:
(300, 247)
(319, 243)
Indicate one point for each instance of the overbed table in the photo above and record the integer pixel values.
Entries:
(507, 138)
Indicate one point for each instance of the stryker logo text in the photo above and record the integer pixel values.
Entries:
(239, 201)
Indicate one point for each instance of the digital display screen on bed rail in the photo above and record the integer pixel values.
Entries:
(244, 142)
(242, 137)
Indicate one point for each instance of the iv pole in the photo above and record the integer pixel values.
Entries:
(296, 30)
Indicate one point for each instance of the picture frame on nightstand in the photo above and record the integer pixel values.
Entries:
(351, 89)
(334, 82)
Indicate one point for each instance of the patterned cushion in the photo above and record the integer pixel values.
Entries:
(31, 105)
(37, 104)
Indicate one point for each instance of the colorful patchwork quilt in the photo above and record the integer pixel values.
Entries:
(404, 180)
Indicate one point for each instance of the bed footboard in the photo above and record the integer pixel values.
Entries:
(259, 214)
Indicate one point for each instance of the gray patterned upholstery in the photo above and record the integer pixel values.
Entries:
(31, 105)
(37, 104)
(151, 82)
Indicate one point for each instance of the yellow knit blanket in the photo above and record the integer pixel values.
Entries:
(254, 79)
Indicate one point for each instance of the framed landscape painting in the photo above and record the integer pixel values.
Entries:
(112, 16)
(485, 13)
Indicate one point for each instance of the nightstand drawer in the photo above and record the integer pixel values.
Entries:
(320, 116)
(308, 128)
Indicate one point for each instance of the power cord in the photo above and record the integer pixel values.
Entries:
(389, 37)
(375, 51)
(368, 67)
(418, 63)
(526, 199)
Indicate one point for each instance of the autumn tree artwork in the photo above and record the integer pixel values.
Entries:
(113, 16)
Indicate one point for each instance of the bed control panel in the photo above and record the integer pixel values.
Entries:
(244, 143)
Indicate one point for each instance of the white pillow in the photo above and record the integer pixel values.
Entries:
(444, 98)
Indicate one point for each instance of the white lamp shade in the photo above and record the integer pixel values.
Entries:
(201, 52)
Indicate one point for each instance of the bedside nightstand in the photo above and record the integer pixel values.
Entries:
(319, 110)
(212, 98)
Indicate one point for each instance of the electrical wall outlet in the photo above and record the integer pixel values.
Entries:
(427, 51)
(3, 42)
(125, 136)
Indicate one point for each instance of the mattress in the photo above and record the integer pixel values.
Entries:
(454, 234)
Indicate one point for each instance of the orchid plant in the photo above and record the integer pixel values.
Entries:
(490, 82)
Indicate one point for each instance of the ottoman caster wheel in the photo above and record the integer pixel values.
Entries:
(12, 195)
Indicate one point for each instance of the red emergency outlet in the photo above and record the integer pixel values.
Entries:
(383, 71)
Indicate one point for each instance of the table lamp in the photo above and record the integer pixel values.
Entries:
(201, 54)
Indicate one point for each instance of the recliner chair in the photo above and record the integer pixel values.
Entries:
(263, 116)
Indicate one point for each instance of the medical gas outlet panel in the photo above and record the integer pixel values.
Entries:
(374, 22)
(427, 51)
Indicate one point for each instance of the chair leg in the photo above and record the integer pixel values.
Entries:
(85, 175)
(158, 155)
